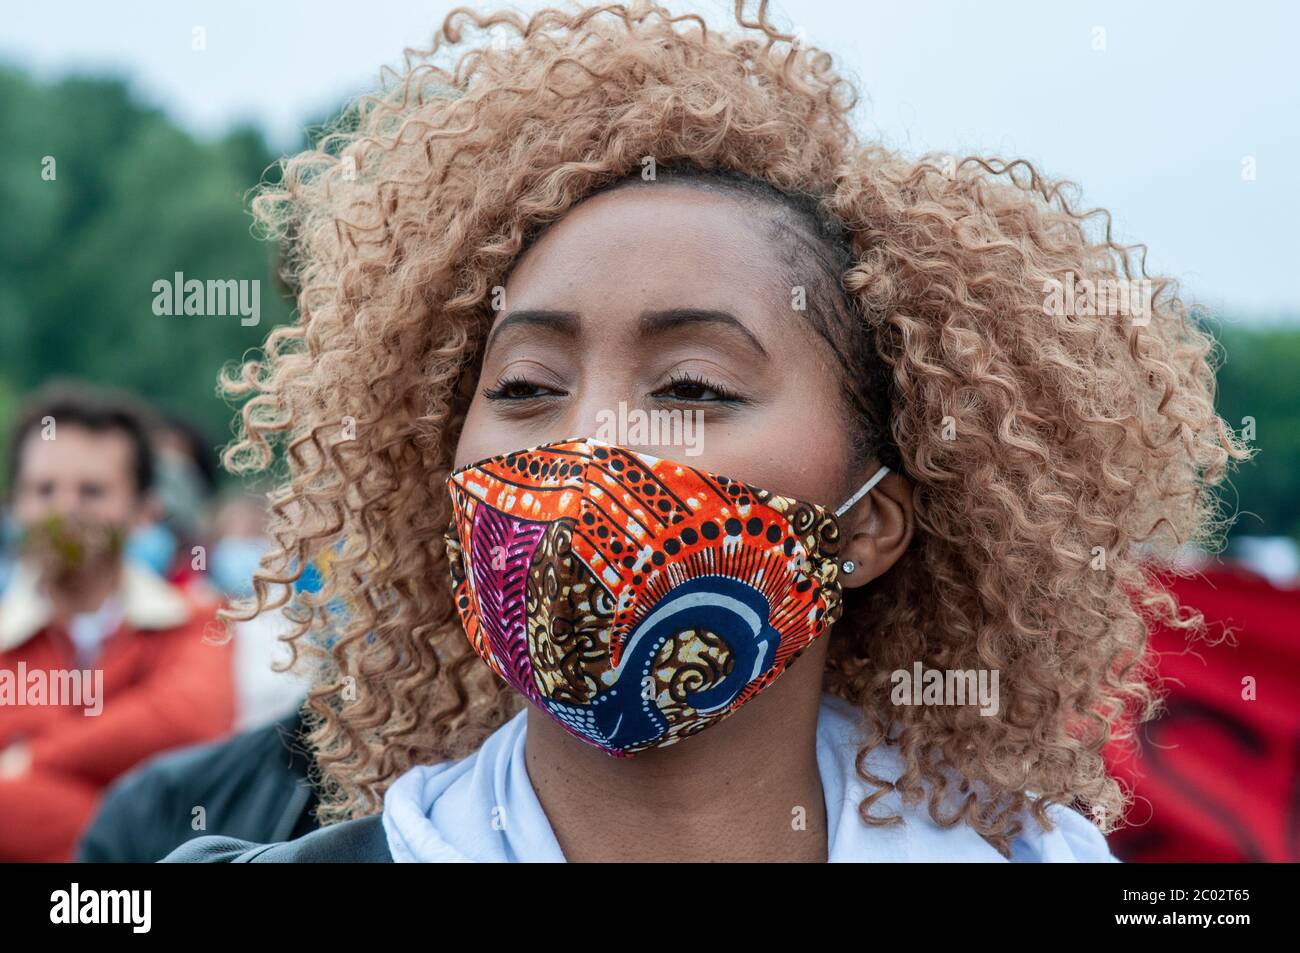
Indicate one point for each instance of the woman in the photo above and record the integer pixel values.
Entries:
(551, 292)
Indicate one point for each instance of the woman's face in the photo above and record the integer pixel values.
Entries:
(666, 297)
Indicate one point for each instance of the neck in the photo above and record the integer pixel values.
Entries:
(745, 789)
(85, 591)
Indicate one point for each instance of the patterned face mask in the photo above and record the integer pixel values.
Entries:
(635, 600)
(63, 547)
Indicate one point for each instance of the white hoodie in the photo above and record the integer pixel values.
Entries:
(436, 813)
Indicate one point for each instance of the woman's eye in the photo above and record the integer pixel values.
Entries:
(695, 389)
(517, 388)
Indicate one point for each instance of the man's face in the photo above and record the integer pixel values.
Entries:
(80, 475)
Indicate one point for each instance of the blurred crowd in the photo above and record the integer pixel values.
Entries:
(117, 549)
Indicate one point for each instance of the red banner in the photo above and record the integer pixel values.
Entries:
(1217, 776)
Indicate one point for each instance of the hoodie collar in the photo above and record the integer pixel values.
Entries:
(149, 602)
(484, 808)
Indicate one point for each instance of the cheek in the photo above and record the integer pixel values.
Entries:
(797, 445)
(30, 505)
(28, 508)
(794, 462)
(121, 512)
(480, 437)
(117, 507)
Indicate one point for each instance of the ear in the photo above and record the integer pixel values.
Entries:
(877, 531)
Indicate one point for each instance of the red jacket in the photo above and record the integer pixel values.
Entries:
(162, 686)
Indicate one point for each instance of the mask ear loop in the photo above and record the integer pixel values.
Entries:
(862, 491)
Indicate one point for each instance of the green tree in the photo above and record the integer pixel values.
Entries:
(133, 199)
(1259, 389)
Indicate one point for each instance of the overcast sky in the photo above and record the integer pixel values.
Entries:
(1155, 108)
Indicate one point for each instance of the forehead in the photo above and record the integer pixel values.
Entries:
(660, 245)
(76, 453)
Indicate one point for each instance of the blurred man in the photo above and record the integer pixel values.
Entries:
(102, 662)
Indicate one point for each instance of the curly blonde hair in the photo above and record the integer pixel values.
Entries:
(1037, 444)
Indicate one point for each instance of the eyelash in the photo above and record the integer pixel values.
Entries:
(724, 395)
(503, 387)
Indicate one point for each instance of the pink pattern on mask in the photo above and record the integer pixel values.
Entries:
(502, 548)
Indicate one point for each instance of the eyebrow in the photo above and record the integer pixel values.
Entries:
(648, 324)
(565, 322)
(657, 322)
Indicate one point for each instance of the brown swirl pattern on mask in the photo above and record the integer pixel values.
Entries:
(570, 619)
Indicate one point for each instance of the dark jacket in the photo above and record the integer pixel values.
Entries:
(252, 786)
(361, 841)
